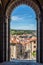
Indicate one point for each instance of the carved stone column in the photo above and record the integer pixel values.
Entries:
(2, 37)
(41, 37)
(7, 38)
(38, 39)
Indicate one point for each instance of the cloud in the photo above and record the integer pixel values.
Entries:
(16, 18)
(24, 17)
(28, 15)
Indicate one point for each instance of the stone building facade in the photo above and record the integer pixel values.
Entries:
(23, 50)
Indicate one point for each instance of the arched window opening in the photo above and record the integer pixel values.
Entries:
(23, 33)
(12, 5)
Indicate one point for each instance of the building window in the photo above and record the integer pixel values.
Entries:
(34, 51)
(34, 46)
(34, 42)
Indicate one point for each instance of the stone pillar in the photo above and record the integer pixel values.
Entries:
(38, 39)
(2, 36)
(7, 38)
(1, 40)
(4, 39)
(41, 38)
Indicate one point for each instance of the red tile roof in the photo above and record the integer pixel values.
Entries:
(23, 42)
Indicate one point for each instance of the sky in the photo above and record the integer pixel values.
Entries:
(23, 17)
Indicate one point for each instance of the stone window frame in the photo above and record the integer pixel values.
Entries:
(13, 4)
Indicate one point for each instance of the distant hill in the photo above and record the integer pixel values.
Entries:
(13, 32)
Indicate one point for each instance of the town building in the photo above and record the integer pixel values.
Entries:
(23, 48)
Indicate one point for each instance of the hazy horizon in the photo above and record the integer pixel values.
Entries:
(19, 29)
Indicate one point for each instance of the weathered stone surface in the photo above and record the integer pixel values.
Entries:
(21, 63)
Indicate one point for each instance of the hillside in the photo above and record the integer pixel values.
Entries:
(20, 32)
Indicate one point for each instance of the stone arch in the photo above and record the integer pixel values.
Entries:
(9, 9)
(16, 3)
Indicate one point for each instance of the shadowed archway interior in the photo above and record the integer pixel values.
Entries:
(6, 8)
